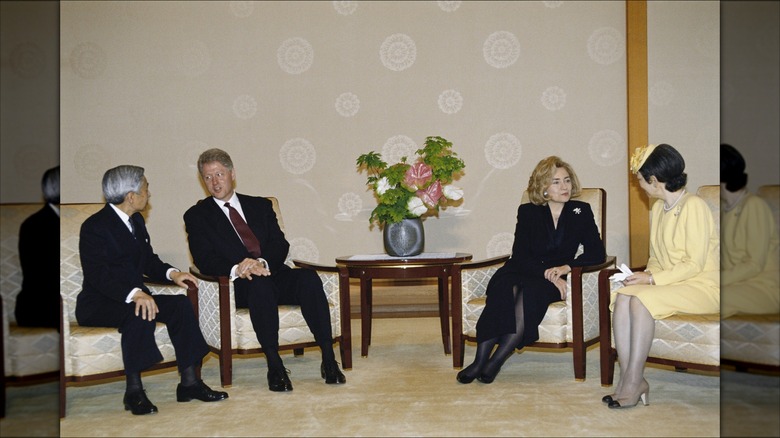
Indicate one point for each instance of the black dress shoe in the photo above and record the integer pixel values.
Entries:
(278, 380)
(199, 391)
(138, 403)
(331, 373)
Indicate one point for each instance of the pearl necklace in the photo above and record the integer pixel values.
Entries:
(675, 202)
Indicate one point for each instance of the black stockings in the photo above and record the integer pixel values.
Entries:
(486, 367)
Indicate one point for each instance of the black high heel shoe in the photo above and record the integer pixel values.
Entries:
(464, 376)
(488, 377)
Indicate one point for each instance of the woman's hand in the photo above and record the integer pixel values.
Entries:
(556, 272)
(562, 287)
(639, 278)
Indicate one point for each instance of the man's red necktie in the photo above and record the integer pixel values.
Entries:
(247, 236)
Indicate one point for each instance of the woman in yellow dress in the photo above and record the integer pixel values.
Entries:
(682, 274)
(750, 270)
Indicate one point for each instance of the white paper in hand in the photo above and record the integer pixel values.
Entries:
(624, 273)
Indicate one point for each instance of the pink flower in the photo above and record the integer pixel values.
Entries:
(431, 195)
(418, 175)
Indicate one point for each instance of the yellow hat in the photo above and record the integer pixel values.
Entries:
(639, 157)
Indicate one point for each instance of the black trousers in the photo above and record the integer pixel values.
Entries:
(263, 295)
(139, 347)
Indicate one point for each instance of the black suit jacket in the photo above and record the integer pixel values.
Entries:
(539, 245)
(38, 303)
(216, 247)
(114, 261)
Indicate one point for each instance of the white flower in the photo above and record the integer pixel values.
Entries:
(416, 206)
(382, 186)
(577, 210)
(451, 192)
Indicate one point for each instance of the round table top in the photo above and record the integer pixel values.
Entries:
(387, 260)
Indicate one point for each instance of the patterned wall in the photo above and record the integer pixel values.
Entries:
(296, 91)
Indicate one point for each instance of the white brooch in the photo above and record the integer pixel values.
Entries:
(577, 210)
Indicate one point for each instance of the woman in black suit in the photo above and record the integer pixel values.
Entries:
(549, 231)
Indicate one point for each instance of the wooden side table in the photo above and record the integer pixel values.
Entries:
(425, 265)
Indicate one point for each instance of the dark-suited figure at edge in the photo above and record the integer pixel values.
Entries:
(116, 257)
(549, 231)
(38, 303)
(262, 281)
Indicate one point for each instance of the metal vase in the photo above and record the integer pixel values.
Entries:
(405, 238)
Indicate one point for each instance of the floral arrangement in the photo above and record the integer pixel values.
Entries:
(409, 190)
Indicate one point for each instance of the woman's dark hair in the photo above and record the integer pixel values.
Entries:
(667, 165)
(732, 168)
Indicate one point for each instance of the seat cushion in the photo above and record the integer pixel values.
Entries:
(688, 338)
(752, 339)
(35, 350)
(292, 327)
(95, 350)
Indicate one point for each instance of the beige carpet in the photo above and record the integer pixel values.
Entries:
(406, 387)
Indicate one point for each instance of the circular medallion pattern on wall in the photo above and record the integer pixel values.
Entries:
(606, 148)
(553, 98)
(661, 93)
(606, 45)
(449, 6)
(245, 107)
(349, 206)
(297, 156)
(397, 147)
(88, 60)
(27, 158)
(503, 150)
(242, 9)
(345, 7)
(295, 55)
(304, 249)
(347, 104)
(27, 60)
(501, 49)
(398, 52)
(500, 244)
(195, 59)
(450, 101)
(91, 161)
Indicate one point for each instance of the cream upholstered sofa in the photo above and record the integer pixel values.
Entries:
(95, 353)
(229, 331)
(30, 354)
(683, 341)
(753, 341)
(572, 323)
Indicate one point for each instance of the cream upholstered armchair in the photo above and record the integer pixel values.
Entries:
(30, 354)
(572, 323)
(682, 341)
(95, 353)
(753, 341)
(229, 331)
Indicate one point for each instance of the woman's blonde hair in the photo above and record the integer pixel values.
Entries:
(542, 176)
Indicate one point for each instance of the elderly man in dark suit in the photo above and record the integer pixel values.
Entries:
(116, 257)
(237, 235)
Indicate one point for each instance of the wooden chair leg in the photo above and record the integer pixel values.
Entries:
(297, 352)
(226, 367)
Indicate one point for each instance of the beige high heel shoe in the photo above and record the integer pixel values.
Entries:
(643, 393)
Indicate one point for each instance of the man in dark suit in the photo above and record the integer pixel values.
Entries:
(38, 303)
(116, 258)
(254, 259)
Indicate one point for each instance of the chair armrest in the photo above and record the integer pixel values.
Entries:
(217, 308)
(608, 262)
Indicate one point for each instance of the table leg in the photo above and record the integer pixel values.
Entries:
(365, 315)
(346, 319)
(444, 312)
